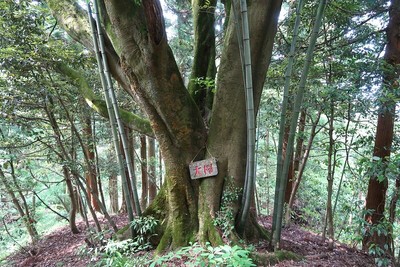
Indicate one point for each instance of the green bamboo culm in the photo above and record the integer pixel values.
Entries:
(242, 28)
(111, 116)
(276, 235)
(111, 113)
(282, 123)
(120, 125)
(113, 98)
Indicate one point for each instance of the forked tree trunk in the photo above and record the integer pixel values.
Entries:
(376, 196)
(144, 64)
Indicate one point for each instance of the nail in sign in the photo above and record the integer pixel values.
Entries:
(203, 168)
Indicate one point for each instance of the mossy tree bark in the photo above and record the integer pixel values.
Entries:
(146, 66)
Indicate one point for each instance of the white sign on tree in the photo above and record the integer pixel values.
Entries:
(203, 168)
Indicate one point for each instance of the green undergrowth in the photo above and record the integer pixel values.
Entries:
(198, 255)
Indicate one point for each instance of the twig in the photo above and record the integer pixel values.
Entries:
(47, 206)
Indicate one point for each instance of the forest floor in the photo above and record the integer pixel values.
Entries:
(61, 248)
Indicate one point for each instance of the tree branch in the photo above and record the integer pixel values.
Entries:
(133, 121)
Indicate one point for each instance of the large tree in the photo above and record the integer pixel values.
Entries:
(142, 62)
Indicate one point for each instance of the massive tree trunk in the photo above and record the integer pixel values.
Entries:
(376, 196)
(147, 67)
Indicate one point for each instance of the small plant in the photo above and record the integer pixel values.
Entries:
(144, 226)
(379, 254)
(207, 83)
(225, 217)
(116, 254)
(107, 252)
(197, 255)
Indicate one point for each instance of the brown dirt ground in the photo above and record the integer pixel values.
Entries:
(61, 248)
(315, 251)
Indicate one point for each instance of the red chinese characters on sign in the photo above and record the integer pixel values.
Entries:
(203, 168)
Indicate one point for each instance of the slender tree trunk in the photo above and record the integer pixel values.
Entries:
(294, 167)
(96, 155)
(143, 167)
(280, 178)
(123, 208)
(290, 176)
(29, 223)
(152, 169)
(113, 193)
(92, 211)
(73, 200)
(131, 139)
(90, 173)
(300, 141)
(267, 166)
(129, 182)
(27, 211)
(376, 195)
(160, 166)
(66, 157)
(302, 167)
(331, 172)
(82, 206)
